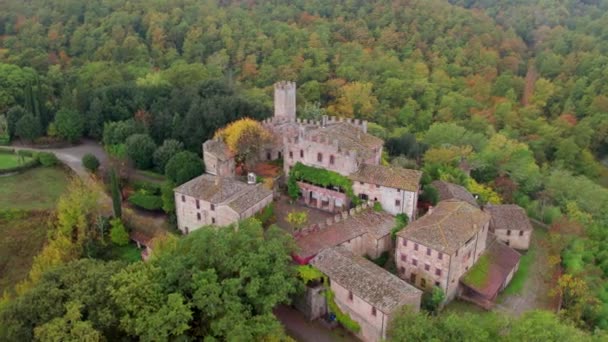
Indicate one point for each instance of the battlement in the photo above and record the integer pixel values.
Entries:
(336, 219)
(285, 85)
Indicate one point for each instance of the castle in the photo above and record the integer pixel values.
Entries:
(440, 249)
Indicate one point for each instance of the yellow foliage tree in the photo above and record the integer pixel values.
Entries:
(355, 99)
(245, 138)
(449, 155)
(486, 194)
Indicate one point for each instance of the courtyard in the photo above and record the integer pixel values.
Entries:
(283, 207)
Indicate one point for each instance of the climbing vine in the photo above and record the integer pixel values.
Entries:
(318, 177)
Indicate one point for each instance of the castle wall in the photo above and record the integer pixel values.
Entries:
(394, 201)
(285, 100)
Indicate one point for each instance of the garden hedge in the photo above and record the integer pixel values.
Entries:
(146, 201)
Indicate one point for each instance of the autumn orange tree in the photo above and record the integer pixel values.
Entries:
(245, 138)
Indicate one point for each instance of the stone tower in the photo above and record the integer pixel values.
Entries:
(285, 100)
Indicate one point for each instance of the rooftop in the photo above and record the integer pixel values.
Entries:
(492, 269)
(218, 148)
(212, 189)
(377, 224)
(508, 216)
(389, 176)
(448, 227)
(449, 191)
(253, 196)
(366, 280)
(348, 138)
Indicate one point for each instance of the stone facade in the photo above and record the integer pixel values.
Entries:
(511, 225)
(439, 248)
(365, 292)
(285, 100)
(218, 159)
(393, 200)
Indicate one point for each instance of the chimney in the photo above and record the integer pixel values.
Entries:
(251, 178)
(324, 121)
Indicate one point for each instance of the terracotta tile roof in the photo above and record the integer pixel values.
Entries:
(508, 217)
(502, 259)
(453, 191)
(348, 137)
(377, 224)
(389, 176)
(448, 227)
(253, 196)
(211, 189)
(366, 280)
(218, 148)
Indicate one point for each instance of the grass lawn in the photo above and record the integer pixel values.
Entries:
(9, 160)
(35, 189)
(21, 238)
(128, 253)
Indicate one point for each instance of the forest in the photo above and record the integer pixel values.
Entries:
(518, 90)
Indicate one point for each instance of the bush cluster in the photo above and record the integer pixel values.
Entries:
(146, 201)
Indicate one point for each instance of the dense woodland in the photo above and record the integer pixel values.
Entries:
(516, 89)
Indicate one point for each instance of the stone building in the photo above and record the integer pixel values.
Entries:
(219, 161)
(393, 187)
(363, 233)
(370, 295)
(441, 246)
(214, 200)
(511, 225)
(448, 191)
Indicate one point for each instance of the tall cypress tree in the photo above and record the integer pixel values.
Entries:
(116, 200)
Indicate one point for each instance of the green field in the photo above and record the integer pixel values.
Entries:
(21, 238)
(35, 189)
(9, 160)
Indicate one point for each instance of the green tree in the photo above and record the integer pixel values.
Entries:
(118, 232)
(140, 149)
(28, 127)
(116, 195)
(163, 153)
(90, 162)
(431, 301)
(184, 166)
(70, 327)
(69, 124)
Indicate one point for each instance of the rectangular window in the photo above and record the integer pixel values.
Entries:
(361, 183)
(414, 262)
(438, 272)
(198, 204)
(440, 256)
(332, 159)
(521, 233)
(350, 295)
(397, 203)
(422, 282)
(413, 278)
(212, 207)
(405, 242)
(437, 283)
(402, 270)
(427, 267)
(320, 157)
(183, 198)
(373, 311)
(415, 246)
(428, 251)
(508, 232)
(290, 154)
(377, 186)
(508, 242)
(198, 216)
(403, 257)
(213, 220)
(301, 153)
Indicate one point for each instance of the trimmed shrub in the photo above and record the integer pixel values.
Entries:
(47, 159)
(148, 187)
(118, 232)
(146, 201)
(90, 162)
